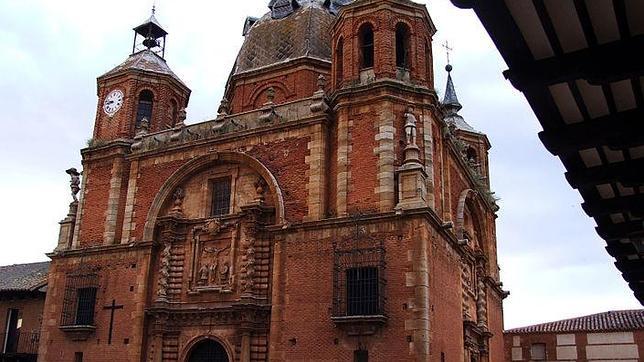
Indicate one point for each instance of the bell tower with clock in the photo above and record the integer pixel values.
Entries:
(140, 92)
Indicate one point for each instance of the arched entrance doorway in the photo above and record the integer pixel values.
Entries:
(208, 351)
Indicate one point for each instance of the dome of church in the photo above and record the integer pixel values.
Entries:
(292, 29)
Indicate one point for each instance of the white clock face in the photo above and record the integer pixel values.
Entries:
(113, 102)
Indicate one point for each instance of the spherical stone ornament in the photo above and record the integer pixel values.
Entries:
(113, 102)
(448, 68)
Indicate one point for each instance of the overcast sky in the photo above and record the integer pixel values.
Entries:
(51, 52)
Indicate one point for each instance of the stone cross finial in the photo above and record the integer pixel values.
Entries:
(74, 183)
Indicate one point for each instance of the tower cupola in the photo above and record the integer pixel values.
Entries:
(150, 35)
(142, 90)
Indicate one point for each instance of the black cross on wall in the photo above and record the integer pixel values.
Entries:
(112, 308)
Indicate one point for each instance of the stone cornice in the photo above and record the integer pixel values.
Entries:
(230, 127)
(117, 248)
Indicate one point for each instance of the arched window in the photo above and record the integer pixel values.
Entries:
(144, 108)
(174, 111)
(339, 63)
(402, 46)
(366, 46)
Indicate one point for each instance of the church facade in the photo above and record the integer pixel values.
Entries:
(335, 209)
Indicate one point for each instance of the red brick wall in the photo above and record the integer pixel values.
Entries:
(290, 84)
(445, 298)
(151, 178)
(286, 161)
(363, 163)
(95, 199)
(120, 278)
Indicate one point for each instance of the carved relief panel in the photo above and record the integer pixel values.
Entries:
(215, 245)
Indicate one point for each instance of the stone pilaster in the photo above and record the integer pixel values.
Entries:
(317, 173)
(128, 218)
(385, 134)
(111, 214)
(343, 163)
(428, 139)
(418, 279)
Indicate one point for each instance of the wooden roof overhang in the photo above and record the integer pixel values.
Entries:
(580, 65)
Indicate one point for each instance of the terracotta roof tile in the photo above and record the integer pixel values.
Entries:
(622, 320)
(23, 277)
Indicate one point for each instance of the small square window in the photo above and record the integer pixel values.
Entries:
(538, 351)
(220, 197)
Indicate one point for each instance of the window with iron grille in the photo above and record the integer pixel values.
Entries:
(358, 281)
(220, 196)
(362, 291)
(79, 301)
(85, 303)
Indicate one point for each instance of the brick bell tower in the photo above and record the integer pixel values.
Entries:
(385, 102)
(142, 87)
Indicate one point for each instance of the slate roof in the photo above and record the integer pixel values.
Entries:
(23, 277)
(452, 106)
(145, 60)
(304, 33)
(622, 320)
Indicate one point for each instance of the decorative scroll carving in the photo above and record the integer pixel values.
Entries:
(164, 272)
(481, 303)
(247, 270)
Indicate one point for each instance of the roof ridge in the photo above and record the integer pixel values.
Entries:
(612, 320)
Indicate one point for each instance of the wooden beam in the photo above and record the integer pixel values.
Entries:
(618, 131)
(629, 173)
(598, 207)
(625, 230)
(601, 64)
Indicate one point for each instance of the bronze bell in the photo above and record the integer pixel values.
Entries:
(150, 43)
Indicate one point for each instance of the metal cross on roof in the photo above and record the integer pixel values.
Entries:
(447, 49)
